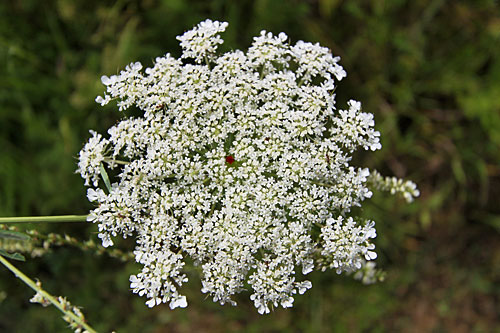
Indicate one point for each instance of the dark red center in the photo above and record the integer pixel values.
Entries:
(229, 159)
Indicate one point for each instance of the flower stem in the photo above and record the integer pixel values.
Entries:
(207, 61)
(20, 275)
(36, 219)
(317, 182)
(112, 161)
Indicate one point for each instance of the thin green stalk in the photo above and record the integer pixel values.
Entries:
(46, 295)
(37, 219)
(321, 183)
(113, 161)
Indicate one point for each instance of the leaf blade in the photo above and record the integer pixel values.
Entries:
(15, 235)
(14, 256)
(105, 177)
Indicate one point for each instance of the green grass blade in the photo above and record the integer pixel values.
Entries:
(105, 177)
(14, 256)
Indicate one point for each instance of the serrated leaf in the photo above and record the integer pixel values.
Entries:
(7, 234)
(14, 256)
(105, 177)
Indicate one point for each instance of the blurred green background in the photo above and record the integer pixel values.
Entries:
(428, 69)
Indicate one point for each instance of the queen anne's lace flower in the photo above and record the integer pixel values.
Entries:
(201, 42)
(241, 162)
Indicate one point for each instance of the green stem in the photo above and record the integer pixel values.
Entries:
(206, 60)
(111, 161)
(46, 295)
(36, 219)
(317, 182)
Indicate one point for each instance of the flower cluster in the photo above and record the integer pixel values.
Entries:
(241, 162)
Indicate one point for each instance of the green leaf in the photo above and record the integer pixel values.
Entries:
(105, 177)
(7, 234)
(229, 142)
(15, 256)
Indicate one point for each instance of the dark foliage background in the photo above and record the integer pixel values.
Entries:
(428, 69)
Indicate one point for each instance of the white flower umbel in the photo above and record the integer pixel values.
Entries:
(91, 157)
(201, 42)
(242, 163)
